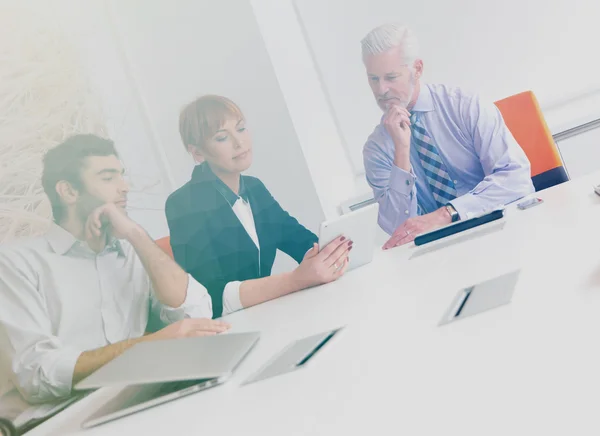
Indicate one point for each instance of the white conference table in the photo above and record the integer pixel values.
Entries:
(531, 367)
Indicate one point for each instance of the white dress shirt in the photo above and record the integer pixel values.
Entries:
(58, 298)
(231, 293)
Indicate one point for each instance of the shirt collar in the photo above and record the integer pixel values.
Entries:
(424, 101)
(203, 173)
(62, 241)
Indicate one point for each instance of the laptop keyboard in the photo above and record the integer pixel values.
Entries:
(169, 387)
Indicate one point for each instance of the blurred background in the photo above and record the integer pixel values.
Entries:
(125, 68)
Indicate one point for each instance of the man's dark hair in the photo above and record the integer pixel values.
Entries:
(65, 162)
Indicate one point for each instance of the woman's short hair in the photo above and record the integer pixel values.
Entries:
(203, 117)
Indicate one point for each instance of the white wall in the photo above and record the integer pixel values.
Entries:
(298, 78)
(493, 48)
(179, 51)
(127, 120)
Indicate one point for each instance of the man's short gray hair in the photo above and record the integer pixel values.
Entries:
(388, 36)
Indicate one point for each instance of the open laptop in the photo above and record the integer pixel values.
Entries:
(159, 371)
(360, 226)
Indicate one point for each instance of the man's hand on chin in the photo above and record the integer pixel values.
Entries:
(108, 219)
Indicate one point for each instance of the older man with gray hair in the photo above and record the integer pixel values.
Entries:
(439, 154)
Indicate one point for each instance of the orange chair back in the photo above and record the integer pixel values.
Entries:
(165, 245)
(524, 119)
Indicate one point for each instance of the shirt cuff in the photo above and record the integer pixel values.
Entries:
(231, 298)
(402, 181)
(469, 206)
(197, 304)
(53, 381)
(65, 369)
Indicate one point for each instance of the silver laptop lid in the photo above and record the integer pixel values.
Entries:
(170, 360)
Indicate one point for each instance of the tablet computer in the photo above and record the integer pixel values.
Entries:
(458, 227)
(360, 227)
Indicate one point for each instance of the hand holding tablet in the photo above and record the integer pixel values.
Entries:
(360, 227)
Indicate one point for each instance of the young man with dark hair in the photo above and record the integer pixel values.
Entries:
(78, 296)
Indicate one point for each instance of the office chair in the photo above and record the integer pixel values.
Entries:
(165, 245)
(524, 119)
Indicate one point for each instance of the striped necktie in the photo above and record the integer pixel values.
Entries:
(442, 186)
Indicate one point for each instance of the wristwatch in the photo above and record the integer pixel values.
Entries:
(453, 213)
